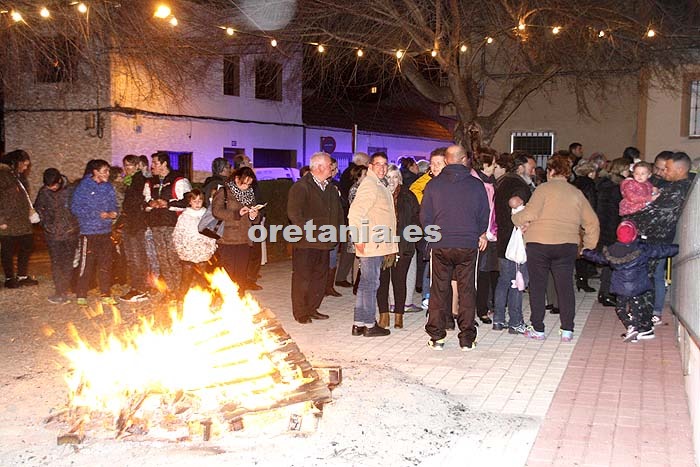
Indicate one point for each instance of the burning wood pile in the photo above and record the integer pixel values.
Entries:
(220, 364)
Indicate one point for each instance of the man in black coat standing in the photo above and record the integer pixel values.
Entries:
(457, 203)
(312, 199)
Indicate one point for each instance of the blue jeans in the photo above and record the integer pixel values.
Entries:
(333, 258)
(366, 303)
(508, 296)
(659, 287)
(426, 280)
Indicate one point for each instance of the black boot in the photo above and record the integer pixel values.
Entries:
(329, 284)
(582, 284)
(607, 299)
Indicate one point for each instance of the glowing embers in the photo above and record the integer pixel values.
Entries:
(194, 372)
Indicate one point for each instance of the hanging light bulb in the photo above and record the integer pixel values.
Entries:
(489, 40)
(556, 29)
(463, 48)
(273, 42)
(433, 53)
(230, 31)
(162, 12)
(360, 53)
(44, 12)
(321, 48)
(399, 54)
(651, 33)
(173, 21)
(16, 16)
(373, 90)
(82, 8)
(521, 26)
(601, 33)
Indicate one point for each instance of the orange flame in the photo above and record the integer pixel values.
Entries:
(220, 354)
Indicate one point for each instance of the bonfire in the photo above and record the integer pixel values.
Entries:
(198, 370)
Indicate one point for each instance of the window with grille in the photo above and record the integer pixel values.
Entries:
(694, 129)
(232, 75)
(182, 162)
(268, 80)
(539, 144)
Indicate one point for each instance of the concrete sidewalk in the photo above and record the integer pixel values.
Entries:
(597, 400)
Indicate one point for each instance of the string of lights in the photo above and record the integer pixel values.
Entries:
(165, 13)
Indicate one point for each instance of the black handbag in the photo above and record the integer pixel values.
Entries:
(210, 226)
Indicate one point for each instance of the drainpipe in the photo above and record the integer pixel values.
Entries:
(354, 138)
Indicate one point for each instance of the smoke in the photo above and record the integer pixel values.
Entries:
(268, 15)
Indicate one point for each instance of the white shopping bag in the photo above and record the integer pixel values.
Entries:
(516, 247)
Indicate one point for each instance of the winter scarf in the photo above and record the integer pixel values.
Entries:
(245, 197)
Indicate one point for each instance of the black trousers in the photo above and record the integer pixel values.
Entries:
(397, 277)
(254, 260)
(485, 291)
(309, 276)
(95, 258)
(62, 253)
(458, 264)
(192, 275)
(636, 310)
(559, 259)
(234, 259)
(16, 244)
(345, 262)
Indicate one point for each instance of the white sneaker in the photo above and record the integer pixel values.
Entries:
(631, 334)
(656, 320)
(424, 303)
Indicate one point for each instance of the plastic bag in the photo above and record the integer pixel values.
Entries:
(519, 281)
(516, 247)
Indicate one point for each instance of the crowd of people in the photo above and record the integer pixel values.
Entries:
(577, 218)
(574, 215)
(138, 225)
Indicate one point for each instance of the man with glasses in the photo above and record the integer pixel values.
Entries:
(372, 210)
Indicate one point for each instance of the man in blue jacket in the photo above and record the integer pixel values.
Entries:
(456, 202)
(94, 204)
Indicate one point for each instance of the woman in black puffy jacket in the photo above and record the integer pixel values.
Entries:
(608, 210)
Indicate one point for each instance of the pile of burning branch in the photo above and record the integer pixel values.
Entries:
(220, 364)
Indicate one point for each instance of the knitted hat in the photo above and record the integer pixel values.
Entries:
(626, 232)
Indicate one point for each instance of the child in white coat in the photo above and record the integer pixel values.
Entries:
(193, 248)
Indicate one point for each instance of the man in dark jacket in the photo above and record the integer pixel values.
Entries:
(456, 202)
(164, 198)
(657, 222)
(312, 199)
(133, 224)
(220, 171)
